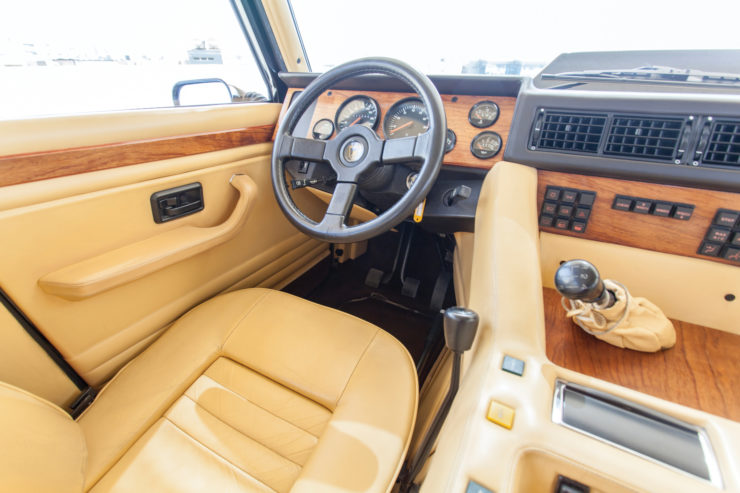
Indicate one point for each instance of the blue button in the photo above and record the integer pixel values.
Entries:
(513, 365)
(474, 487)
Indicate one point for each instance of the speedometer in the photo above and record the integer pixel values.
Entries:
(358, 110)
(406, 118)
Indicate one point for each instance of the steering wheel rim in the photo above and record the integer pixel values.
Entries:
(427, 148)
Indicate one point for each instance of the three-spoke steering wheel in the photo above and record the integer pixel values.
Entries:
(355, 151)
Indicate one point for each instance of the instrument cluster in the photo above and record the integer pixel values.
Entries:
(408, 117)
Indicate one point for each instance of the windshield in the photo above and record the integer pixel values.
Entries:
(505, 37)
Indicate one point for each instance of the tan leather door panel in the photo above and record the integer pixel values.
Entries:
(83, 258)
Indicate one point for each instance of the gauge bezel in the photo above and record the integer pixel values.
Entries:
(479, 103)
(399, 103)
(313, 129)
(481, 134)
(454, 140)
(349, 100)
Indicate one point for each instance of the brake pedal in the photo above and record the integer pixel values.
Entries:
(373, 278)
(410, 287)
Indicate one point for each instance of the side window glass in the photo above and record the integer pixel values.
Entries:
(83, 56)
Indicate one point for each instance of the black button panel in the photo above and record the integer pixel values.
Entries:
(566, 208)
(723, 236)
(658, 208)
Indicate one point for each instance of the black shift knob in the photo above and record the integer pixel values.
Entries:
(579, 280)
(460, 326)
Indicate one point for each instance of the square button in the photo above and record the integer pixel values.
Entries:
(565, 210)
(719, 235)
(683, 212)
(642, 206)
(726, 218)
(582, 214)
(732, 254)
(587, 199)
(501, 414)
(709, 249)
(569, 196)
(735, 239)
(578, 227)
(552, 193)
(662, 209)
(622, 204)
(549, 208)
(561, 223)
(546, 220)
(513, 365)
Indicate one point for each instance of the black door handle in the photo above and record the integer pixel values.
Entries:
(177, 202)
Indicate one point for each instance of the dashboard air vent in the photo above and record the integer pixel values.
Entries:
(644, 137)
(724, 145)
(570, 132)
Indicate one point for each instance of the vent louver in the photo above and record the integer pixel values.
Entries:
(573, 132)
(723, 148)
(644, 137)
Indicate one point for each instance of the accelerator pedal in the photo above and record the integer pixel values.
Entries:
(410, 287)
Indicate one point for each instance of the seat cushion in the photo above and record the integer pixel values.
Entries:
(256, 390)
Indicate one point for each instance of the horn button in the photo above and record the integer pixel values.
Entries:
(353, 151)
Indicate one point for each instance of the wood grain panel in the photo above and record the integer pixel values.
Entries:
(660, 234)
(700, 371)
(456, 109)
(23, 168)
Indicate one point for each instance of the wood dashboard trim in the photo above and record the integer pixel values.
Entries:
(457, 108)
(24, 168)
(660, 234)
(700, 371)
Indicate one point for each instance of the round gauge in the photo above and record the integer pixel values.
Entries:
(406, 118)
(485, 145)
(323, 129)
(483, 114)
(450, 141)
(358, 110)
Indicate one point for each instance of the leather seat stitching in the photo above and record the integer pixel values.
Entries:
(239, 322)
(224, 387)
(219, 456)
(237, 431)
(357, 363)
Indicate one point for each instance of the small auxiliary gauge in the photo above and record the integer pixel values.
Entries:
(485, 145)
(323, 129)
(483, 114)
(450, 141)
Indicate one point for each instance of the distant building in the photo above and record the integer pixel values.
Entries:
(205, 55)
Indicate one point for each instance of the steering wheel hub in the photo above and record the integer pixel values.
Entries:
(353, 150)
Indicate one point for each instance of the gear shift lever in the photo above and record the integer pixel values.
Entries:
(579, 280)
(606, 309)
(460, 326)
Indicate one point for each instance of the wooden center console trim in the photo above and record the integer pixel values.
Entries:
(23, 168)
(660, 234)
(456, 109)
(700, 371)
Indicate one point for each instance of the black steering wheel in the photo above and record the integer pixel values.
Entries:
(355, 151)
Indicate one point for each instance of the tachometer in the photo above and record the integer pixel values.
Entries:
(483, 114)
(406, 118)
(486, 145)
(357, 110)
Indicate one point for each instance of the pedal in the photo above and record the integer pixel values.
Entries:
(410, 287)
(440, 290)
(373, 278)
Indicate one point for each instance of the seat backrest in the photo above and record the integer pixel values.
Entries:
(42, 448)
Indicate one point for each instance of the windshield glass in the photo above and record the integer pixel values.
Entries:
(498, 37)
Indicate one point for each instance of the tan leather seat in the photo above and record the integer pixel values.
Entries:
(254, 390)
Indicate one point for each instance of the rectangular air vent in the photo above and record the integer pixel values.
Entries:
(570, 132)
(644, 137)
(723, 148)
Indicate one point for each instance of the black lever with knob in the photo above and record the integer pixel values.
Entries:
(579, 280)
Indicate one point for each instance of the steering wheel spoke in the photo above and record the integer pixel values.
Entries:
(340, 204)
(302, 149)
(406, 149)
